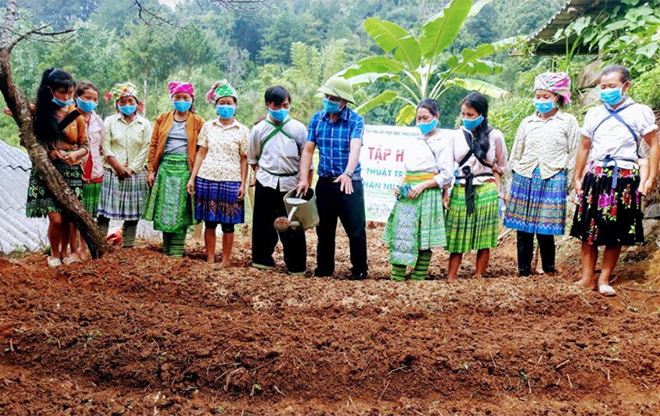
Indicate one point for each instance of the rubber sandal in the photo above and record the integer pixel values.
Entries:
(54, 262)
(606, 290)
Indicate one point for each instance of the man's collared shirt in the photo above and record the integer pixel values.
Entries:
(334, 140)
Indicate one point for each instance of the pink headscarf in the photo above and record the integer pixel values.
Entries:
(179, 86)
(556, 82)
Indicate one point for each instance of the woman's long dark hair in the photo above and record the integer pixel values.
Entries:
(431, 105)
(481, 142)
(45, 123)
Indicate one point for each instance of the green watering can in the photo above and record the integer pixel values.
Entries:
(301, 212)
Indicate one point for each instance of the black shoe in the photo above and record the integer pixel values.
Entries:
(358, 276)
(320, 273)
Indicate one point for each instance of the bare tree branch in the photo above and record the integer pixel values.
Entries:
(149, 17)
(39, 32)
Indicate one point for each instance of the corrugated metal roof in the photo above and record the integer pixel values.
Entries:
(17, 232)
(572, 10)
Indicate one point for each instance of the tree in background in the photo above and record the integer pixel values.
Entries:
(421, 67)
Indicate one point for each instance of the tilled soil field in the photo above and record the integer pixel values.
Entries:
(137, 333)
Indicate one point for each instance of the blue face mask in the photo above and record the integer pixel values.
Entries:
(611, 96)
(279, 115)
(225, 112)
(426, 128)
(471, 124)
(61, 103)
(332, 107)
(182, 106)
(86, 106)
(544, 107)
(127, 110)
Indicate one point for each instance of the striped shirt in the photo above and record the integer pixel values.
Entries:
(334, 140)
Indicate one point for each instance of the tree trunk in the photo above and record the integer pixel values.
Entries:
(20, 109)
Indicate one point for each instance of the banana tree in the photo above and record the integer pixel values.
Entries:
(420, 66)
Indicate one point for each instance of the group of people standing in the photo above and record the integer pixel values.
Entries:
(187, 170)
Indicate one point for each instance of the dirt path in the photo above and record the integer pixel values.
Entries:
(141, 334)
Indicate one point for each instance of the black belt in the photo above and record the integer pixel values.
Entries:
(469, 186)
(282, 175)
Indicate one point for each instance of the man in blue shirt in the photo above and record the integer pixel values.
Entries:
(337, 131)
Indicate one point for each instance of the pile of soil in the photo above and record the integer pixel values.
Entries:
(138, 333)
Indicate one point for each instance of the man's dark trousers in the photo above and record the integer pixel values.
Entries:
(268, 205)
(334, 204)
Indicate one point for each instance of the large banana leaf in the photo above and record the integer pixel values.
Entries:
(373, 64)
(381, 99)
(406, 115)
(393, 38)
(367, 78)
(439, 32)
(478, 68)
(478, 5)
(478, 85)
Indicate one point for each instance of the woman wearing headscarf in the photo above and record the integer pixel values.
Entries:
(416, 224)
(472, 219)
(219, 175)
(171, 157)
(542, 159)
(125, 148)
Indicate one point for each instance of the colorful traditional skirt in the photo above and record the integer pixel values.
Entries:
(90, 197)
(415, 224)
(478, 230)
(537, 206)
(123, 199)
(170, 204)
(40, 201)
(609, 216)
(217, 201)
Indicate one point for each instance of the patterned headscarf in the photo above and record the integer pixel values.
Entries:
(221, 89)
(180, 86)
(556, 82)
(125, 89)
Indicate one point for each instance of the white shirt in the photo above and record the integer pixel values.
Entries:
(281, 155)
(496, 155)
(127, 142)
(612, 137)
(432, 154)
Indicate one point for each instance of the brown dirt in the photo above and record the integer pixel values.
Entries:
(137, 333)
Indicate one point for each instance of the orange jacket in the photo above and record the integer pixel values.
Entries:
(162, 128)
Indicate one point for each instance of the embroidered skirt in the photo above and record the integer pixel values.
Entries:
(170, 205)
(217, 201)
(90, 197)
(478, 230)
(40, 201)
(123, 199)
(415, 224)
(607, 216)
(537, 206)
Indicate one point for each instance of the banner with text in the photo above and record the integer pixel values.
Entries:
(381, 158)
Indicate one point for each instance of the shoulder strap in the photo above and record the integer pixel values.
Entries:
(615, 114)
(468, 139)
(68, 120)
(277, 129)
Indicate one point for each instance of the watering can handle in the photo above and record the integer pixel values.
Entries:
(293, 211)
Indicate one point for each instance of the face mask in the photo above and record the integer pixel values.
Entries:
(332, 107)
(127, 110)
(426, 128)
(278, 115)
(61, 103)
(544, 107)
(86, 106)
(611, 96)
(182, 106)
(471, 124)
(225, 112)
